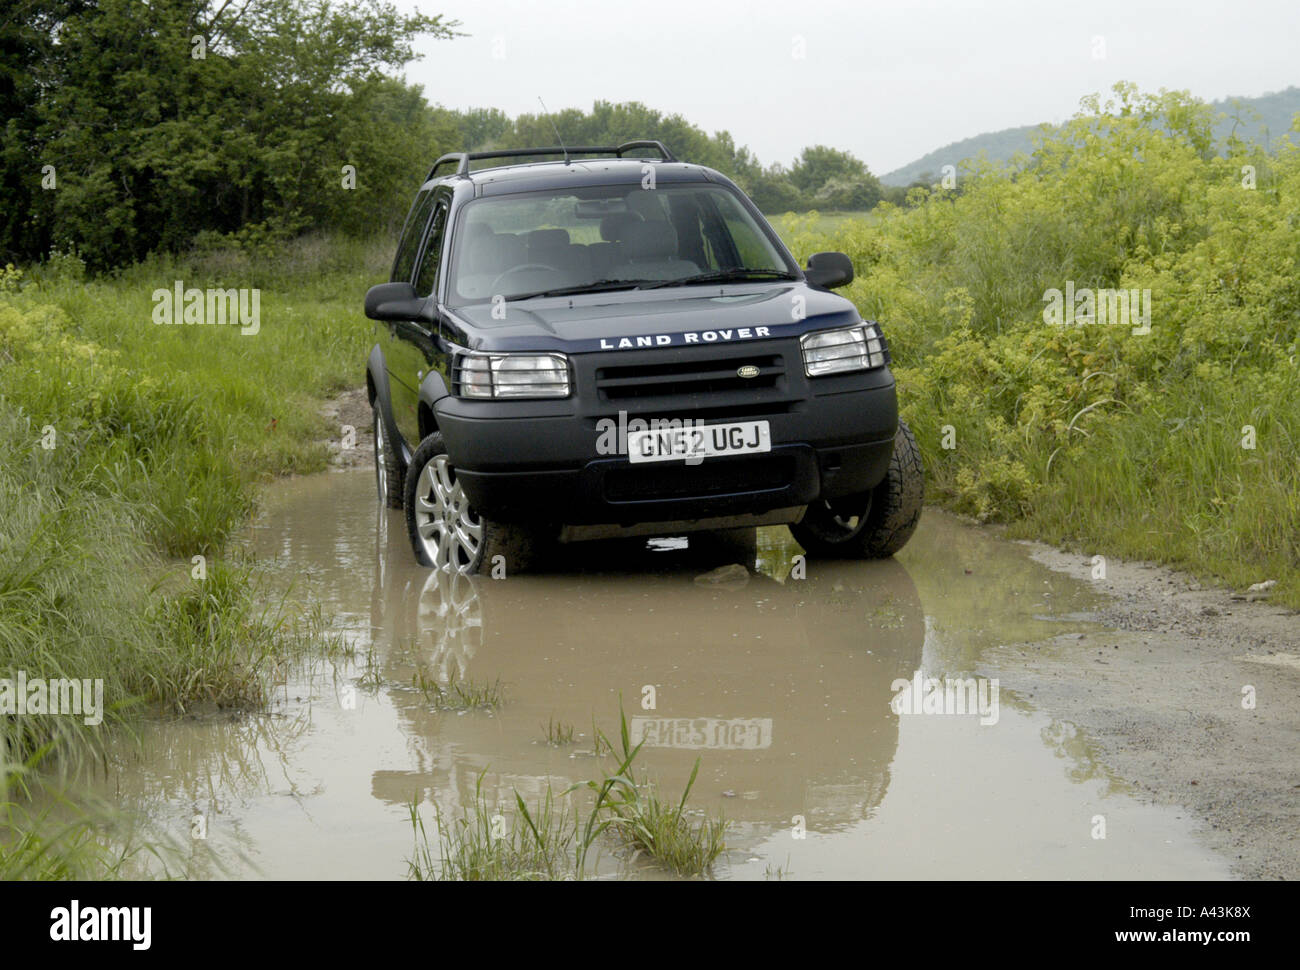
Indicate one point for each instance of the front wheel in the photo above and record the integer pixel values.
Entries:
(876, 524)
(445, 531)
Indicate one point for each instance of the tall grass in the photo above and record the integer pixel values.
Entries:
(128, 448)
(645, 823)
(483, 844)
(71, 599)
(83, 597)
(253, 398)
(63, 839)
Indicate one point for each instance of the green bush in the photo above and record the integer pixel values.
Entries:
(1121, 443)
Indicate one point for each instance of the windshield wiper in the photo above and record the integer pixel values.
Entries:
(607, 286)
(724, 276)
(598, 286)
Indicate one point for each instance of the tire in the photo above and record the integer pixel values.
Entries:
(446, 533)
(875, 524)
(388, 470)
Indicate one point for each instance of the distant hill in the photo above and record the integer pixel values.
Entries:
(1263, 119)
(998, 145)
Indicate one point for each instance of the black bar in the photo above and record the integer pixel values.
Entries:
(930, 922)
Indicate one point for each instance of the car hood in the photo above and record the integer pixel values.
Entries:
(640, 319)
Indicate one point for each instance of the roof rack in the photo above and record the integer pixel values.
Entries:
(462, 159)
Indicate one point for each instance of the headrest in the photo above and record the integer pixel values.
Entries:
(548, 238)
(613, 227)
(650, 240)
(646, 203)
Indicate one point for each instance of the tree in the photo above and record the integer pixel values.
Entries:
(29, 57)
(212, 117)
(849, 193)
(479, 127)
(773, 191)
(819, 164)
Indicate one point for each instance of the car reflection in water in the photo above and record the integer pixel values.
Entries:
(779, 685)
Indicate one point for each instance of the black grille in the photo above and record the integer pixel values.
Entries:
(691, 377)
(650, 481)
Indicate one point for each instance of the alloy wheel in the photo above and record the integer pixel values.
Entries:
(449, 530)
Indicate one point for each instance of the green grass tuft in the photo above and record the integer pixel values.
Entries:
(553, 841)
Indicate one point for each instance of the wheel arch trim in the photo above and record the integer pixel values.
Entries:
(432, 390)
(381, 399)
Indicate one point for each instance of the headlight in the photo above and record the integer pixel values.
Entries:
(859, 347)
(510, 375)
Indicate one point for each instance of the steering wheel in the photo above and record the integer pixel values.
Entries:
(496, 283)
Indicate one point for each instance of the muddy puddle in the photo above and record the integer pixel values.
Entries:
(783, 687)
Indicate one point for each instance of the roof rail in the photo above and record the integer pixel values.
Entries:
(462, 159)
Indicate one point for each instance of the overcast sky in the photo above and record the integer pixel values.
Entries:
(887, 82)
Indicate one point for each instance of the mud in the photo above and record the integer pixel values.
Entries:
(350, 410)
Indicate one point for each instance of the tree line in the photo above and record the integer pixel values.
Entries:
(819, 178)
(131, 128)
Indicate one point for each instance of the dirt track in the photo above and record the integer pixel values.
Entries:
(1164, 698)
(350, 409)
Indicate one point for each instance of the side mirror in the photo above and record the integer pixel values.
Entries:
(393, 301)
(829, 270)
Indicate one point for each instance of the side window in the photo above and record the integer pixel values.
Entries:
(428, 274)
(411, 234)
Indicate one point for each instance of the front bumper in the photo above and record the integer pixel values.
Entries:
(538, 461)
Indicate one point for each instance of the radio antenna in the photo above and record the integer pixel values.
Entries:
(547, 112)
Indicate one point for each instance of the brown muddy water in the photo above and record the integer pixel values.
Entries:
(780, 686)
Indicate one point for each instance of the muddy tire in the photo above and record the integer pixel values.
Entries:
(873, 525)
(388, 470)
(446, 533)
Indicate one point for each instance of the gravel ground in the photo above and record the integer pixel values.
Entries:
(1167, 698)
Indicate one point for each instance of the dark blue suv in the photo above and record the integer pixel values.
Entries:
(614, 343)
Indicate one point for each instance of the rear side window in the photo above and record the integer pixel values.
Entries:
(411, 235)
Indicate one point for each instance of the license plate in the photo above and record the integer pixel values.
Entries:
(702, 732)
(697, 442)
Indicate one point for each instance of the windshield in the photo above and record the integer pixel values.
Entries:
(607, 238)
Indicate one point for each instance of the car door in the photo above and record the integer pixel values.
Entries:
(408, 248)
(414, 347)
